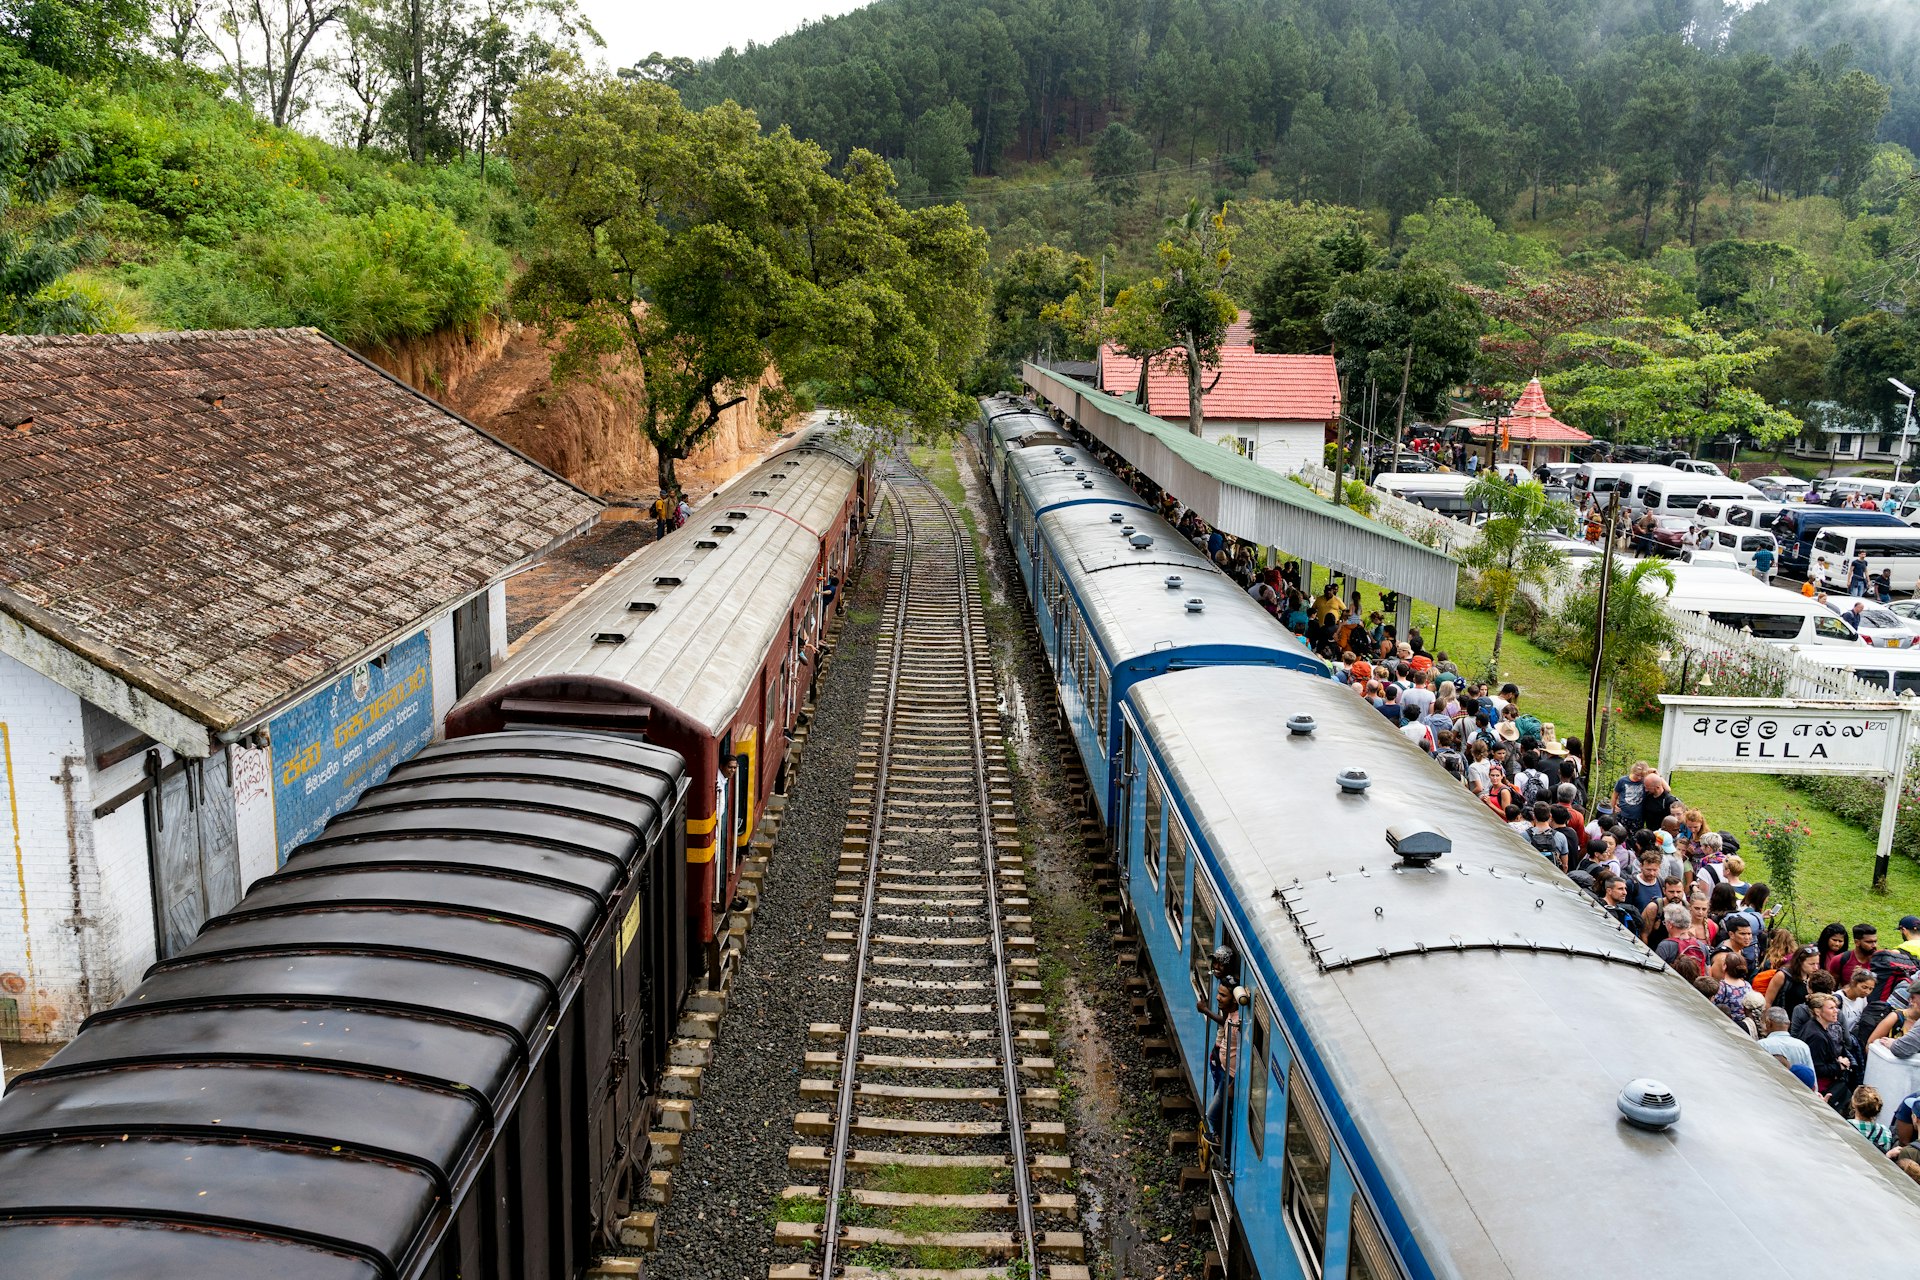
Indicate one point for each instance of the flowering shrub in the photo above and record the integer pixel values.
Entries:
(1778, 842)
(1727, 674)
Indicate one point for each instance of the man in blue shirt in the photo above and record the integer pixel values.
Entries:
(1763, 564)
(1629, 795)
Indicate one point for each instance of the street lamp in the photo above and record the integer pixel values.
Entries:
(1906, 426)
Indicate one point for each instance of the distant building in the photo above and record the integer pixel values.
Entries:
(1835, 433)
(242, 575)
(1528, 433)
(1278, 410)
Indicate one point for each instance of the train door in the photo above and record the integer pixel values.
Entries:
(1256, 1090)
(1123, 810)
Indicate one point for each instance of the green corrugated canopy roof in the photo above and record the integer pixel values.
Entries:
(1249, 501)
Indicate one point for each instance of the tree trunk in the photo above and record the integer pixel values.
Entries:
(669, 483)
(1195, 416)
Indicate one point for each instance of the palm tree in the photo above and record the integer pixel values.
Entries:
(1638, 630)
(1509, 553)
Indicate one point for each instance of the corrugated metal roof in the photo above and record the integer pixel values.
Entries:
(1248, 501)
(1249, 386)
(225, 520)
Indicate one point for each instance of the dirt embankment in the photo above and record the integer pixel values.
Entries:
(499, 378)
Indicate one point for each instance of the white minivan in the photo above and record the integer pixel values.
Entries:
(1897, 551)
(1897, 671)
(1681, 495)
(1742, 543)
(1735, 600)
(1741, 513)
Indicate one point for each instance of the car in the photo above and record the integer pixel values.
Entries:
(1671, 536)
(1410, 462)
(1879, 625)
(1793, 486)
(1699, 466)
(1576, 551)
(1908, 609)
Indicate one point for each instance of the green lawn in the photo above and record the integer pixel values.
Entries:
(1836, 870)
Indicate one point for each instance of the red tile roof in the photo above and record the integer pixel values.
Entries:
(1251, 386)
(1240, 332)
(1532, 420)
(225, 519)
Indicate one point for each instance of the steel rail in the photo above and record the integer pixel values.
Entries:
(990, 855)
(850, 1047)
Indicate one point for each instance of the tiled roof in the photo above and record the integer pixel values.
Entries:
(1240, 332)
(227, 519)
(1252, 386)
(1531, 419)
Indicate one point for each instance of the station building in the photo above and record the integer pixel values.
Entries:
(1279, 411)
(242, 575)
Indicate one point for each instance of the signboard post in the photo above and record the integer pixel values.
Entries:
(344, 739)
(1795, 735)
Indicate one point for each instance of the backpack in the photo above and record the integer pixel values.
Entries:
(1533, 785)
(1544, 841)
(1451, 761)
(1692, 947)
(1890, 968)
(1529, 727)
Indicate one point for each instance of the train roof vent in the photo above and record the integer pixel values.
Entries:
(723, 529)
(1417, 848)
(1301, 726)
(1648, 1104)
(668, 583)
(705, 544)
(1126, 531)
(642, 606)
(779, 475)
(1114, 517)
(1079, 475)
(758, 493)
(1086, 484)
(736, 515)
(1353, 781)
(1196, 605)
(1173, 582)
(609, 637)
(1141, 541)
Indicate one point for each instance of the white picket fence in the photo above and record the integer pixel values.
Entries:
(1740, 658)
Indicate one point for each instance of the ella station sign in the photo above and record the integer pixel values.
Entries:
(1792, 735)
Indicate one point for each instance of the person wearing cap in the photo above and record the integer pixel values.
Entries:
(1361, 670)
(1909, 936)
(1224, 1058)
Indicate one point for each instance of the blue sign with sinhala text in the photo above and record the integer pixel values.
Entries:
(348, 737)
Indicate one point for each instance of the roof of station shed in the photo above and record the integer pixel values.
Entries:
(1247, 500)
(225, 520)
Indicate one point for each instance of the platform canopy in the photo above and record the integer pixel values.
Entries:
(1247, 500)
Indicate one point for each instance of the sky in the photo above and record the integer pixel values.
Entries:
(698, 28)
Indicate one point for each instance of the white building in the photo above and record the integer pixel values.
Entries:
(242, 575)
(1278, 410)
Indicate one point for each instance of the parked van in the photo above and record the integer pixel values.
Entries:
(1682, 495)
(1735, 600)
(1741, 513)
(1398, 482)
(1598, 479)
(1897, 551)
(1808, 523)
(1847, 486)
(1742, 543)
(1634, 484)
(1897, 671)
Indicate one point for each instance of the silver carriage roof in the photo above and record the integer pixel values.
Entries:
(740, 563)
(1125, 591)
(1479, 1019)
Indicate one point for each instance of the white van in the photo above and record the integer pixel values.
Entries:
(1897, 551)
(1681, 495)
(1398, 482)
(1742, 543)
(1878, 490)
(1897, 671)
(1741, 513)
(1634, 483)
(1598, 479)
(1767, 613)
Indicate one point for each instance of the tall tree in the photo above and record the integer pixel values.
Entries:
(1528, 317)
(1388, 322)
(268, 48)
(1119, 156)
(1678, 383)
(688, 255)
(938, 148)
(1289, 312)
(1179, 318)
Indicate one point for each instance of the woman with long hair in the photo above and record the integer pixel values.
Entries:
(1790, 986)
(1773, 955)
(1833, 942)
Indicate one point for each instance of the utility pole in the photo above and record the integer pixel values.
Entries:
(1600, 646)
(1400, 422)
(1340, 443)
(1906, 427)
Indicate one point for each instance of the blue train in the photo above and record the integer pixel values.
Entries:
(1444, 1059)
(1118, 594)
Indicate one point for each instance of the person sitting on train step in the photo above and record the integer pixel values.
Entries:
(1781, 1044)
(1546, 841)
(1413, 727)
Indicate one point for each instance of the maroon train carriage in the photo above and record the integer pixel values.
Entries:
(706, 643)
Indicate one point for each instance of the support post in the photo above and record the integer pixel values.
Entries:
(1599, 648)
(1403, 618)
(1890, 807)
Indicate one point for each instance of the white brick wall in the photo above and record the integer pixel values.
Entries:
(440, 642)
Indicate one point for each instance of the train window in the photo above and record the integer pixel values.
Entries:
(1262, 1031)
(1200, 946)
(1176, 874)
(1367, 1254)
(1151, 838)
(1303, 1180)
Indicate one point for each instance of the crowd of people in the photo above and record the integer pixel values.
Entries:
(1653, 863)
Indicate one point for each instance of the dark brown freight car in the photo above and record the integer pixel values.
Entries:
(423, 1048)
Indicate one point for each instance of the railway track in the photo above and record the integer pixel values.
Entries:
(941, 1154)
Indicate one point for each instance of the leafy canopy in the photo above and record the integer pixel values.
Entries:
(1508, 553)
(1677, 382)
(700, 254)
(1382, 315)
(1179, 317)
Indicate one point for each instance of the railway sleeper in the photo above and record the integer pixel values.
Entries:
(1037, 1097)
(1064, 1204)
(1066, 1244)
(1039, 1164)
(895, 1062)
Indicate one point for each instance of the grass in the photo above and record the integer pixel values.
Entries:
(1836, 869)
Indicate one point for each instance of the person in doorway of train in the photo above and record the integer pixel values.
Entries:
(1224, 1057)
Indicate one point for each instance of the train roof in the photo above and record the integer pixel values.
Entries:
(1124, 588)
(1479, 1019)
(305, 1089)
(1013, 420)
(1063, 475)
(696, 613)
